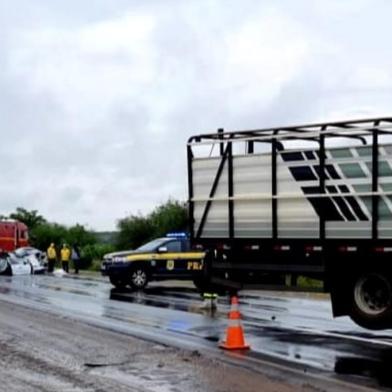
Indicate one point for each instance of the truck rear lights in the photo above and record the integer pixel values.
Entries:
(347, 249)
(252, 247)
(310, 248)
(383, 249)
(282, 248)
(222, 247)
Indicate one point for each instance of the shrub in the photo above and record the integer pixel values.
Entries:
(136, 230)
(91, 252)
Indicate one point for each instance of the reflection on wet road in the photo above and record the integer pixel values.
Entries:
(298, 328)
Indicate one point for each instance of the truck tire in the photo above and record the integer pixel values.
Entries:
(117, 282)
(139, 277)
(371, 300)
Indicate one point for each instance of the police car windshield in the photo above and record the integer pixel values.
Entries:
(152, 246)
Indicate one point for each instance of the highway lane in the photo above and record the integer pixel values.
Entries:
(294, 328)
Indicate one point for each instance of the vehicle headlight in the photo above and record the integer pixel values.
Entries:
(119, 259)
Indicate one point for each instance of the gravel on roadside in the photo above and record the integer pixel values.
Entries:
(43, 352)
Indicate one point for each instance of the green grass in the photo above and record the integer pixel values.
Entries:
(309, 283)
(95, 265)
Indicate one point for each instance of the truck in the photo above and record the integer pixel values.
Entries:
(270, 205)
(13, 235)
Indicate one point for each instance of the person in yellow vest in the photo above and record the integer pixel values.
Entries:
(65, 256)
(52, 257)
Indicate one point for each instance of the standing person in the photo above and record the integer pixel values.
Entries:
(52, 257)
(75, 256)
(210, 300)
(65, 256)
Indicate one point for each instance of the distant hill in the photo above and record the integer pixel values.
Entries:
(106, 237)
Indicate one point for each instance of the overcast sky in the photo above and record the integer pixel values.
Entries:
(98, 98)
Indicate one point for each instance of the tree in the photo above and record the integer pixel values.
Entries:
(78, 234)
(134, 231)
(171, 216)
(45, 233)
(30, 218)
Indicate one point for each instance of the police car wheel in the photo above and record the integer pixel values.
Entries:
(139, 278)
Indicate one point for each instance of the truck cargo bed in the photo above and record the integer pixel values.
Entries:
(323, 181)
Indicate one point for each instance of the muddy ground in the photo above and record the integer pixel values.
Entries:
(44, 352)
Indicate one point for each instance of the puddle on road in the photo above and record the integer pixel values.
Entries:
(23, 294)
(262, 298)
(141, 299)
(377, 368)
(266, 335)
(369, 362)
(190, 305)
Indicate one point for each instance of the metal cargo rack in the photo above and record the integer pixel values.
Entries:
(365, 131)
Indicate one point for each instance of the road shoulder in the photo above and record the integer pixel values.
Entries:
(42, 351)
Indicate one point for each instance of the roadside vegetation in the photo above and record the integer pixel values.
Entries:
(132, 231)
(135, 230)
(309, 283)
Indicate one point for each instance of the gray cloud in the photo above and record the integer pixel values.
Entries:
(98, 99)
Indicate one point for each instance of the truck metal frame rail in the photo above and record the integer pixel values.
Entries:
(359, 130)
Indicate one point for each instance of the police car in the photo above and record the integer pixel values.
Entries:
(169, 257)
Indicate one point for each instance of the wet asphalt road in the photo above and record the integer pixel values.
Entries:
(297, 329)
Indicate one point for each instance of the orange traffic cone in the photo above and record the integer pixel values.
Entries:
(234, 333)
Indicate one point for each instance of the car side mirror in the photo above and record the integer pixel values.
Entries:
(162, 249)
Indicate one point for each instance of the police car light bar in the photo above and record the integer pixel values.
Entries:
(177, 235)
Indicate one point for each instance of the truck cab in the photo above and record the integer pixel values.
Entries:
(13, 235)
(163, 258)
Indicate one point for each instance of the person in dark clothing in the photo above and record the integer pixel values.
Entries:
(75, 256)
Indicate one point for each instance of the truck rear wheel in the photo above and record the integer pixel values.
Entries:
(371, 303)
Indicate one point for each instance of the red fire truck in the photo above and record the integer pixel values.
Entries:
(13, 235)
